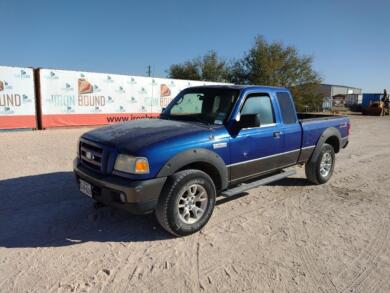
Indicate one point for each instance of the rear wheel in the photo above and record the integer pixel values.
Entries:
(320, 168)
(186, 202)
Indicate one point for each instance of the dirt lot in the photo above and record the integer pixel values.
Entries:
(288, 236)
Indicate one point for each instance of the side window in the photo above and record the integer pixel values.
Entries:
(287, 108)
(259, 104)
(216, 104)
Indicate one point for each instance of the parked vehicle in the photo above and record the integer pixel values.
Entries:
(206, 143)
(377, 109)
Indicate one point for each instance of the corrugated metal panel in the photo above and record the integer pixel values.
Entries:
(325, 90)
(339, 90)
(354, 99)
(336, 90)
(327, 103)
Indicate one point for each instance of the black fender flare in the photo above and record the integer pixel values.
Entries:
(329, 132)
(196, 155)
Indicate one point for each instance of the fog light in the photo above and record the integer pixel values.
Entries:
(122, 196)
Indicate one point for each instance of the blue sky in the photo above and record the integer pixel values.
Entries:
(350, 39)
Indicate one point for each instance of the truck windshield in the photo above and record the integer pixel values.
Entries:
(206, 105)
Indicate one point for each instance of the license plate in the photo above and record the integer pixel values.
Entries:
(86, 188)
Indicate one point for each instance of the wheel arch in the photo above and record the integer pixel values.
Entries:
(201, 159)
(334, 141)
(330, 136)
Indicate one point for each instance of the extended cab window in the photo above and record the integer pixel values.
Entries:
(287, 108)
(259, 104)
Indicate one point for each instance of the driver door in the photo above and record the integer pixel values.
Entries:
(254, 151)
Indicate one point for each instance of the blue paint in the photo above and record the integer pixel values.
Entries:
(159, 140)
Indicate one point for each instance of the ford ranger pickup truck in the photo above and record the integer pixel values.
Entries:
(210, 141)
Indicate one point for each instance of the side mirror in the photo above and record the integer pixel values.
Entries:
(163, 109)
(249, 120)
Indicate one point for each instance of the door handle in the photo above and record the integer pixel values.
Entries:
(277, 134)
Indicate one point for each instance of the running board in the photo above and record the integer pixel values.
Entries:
(246, 186)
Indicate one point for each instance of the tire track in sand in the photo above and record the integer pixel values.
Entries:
(320, 280)
(370, 261)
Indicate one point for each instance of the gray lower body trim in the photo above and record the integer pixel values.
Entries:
(262, 158)
(306, 153)
(244, 170)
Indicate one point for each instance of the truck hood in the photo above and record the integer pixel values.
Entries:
(137, 134)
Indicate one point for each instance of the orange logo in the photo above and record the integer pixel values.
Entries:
(164, 91)
(84, 86)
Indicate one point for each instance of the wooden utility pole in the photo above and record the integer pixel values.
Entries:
(149, 71)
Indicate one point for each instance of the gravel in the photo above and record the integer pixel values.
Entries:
(288, 236)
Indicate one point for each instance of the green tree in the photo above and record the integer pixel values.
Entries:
(187, 70)
(307, 97)
(266, 63)
(278, 65)
(210, 67)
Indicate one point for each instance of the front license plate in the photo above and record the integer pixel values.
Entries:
(86, 188)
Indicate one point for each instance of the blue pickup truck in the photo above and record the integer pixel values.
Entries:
(210, 141)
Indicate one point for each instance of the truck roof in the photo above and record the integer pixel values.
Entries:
(243, 87)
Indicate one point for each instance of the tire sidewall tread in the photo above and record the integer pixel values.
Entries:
(312, 168)
(166, 207)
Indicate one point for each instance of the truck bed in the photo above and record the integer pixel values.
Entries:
(313, 125)
(316, 116)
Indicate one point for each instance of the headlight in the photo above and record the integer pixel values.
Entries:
(133, 165)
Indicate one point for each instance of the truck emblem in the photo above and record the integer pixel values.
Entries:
(219, 145)
(89, 155)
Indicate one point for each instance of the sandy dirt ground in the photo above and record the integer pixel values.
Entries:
(285, 237)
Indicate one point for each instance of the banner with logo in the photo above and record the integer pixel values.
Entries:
(17, 98)
(71, 98)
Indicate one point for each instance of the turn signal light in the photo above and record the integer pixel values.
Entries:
(141, 166)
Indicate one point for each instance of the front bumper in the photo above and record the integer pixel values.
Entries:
(141, 196)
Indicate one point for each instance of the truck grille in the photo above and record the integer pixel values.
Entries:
(91, 155)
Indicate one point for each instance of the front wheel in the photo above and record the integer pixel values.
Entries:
(186, 202)
(320, 169)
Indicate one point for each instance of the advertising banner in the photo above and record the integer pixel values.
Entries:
(71, 98)
(17, 98)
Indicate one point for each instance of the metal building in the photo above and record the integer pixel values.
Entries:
(341, 97)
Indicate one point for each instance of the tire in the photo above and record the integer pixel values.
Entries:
(320, 168)
(186, 202)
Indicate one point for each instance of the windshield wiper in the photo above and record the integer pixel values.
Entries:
(203, 121)
(186, 119)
